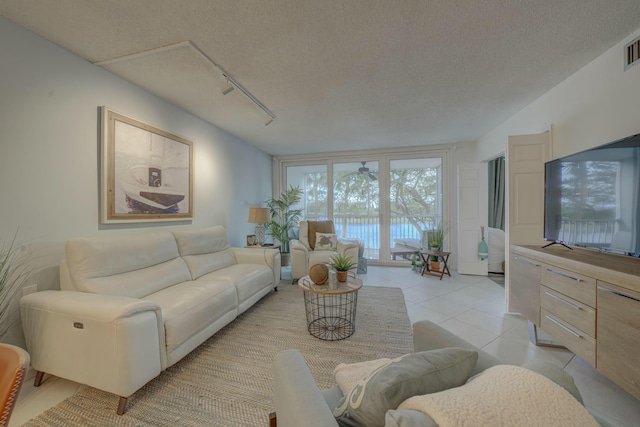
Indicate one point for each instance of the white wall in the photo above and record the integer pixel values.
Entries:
(598, 104)
(49, 169)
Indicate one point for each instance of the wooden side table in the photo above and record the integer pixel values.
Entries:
(444, 256)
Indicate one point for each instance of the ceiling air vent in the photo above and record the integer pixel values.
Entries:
(632, 54)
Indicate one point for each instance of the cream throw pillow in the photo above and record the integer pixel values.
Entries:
(326, 242)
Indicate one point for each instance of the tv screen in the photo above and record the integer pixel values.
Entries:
(592, 198)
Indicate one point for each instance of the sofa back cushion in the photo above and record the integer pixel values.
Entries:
(205, 250)
(133, 265)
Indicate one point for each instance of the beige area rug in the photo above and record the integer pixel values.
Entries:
(227, 380)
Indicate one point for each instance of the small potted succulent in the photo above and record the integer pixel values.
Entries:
(342, 265)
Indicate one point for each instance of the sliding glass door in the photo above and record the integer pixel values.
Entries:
(356, 204)
(384, 201)
(415, 200)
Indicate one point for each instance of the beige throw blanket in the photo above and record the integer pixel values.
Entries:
(504, 395)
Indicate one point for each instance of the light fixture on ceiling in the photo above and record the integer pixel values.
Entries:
(231, 82)
(228, 88)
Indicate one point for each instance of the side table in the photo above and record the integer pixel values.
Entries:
(444, 256)
(331, 313)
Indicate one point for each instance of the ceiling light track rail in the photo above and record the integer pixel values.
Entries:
(189, 44)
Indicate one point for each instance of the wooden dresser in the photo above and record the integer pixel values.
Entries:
(589, 302)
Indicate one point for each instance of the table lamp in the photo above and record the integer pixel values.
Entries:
(259, 216)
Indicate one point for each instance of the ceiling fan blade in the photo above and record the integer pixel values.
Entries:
(372, 176)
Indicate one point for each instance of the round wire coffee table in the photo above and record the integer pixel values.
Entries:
(331, 313)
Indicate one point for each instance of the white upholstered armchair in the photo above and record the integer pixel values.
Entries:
(316, 245)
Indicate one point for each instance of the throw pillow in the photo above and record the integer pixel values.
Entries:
(318, 227)
(555, 374)
(503, 395)
(326, 242)
(393, 382)
(408, 418)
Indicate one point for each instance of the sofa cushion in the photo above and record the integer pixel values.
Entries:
(249, 279)
(319, 227)
(205, 250)
(133, 265)
(191, 306)
(320, 257)
(412, 374)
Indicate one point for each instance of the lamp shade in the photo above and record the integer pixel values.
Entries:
(258, 215)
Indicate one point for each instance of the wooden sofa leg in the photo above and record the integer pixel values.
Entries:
(122, 403)
(39, 378)
(273, 420)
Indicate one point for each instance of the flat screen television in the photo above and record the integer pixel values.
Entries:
(592, 198)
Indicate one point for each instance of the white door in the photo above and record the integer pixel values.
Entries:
(473, 194)
(526, 155)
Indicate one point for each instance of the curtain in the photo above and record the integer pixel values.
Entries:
(496, 193)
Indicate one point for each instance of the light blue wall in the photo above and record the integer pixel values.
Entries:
(49, 145)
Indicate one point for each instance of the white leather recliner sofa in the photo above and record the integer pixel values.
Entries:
(303, 256)
(131, 306)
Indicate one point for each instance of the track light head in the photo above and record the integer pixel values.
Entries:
(228, 88)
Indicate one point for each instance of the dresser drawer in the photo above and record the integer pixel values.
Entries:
(570, 311)
(573, 338)
(619, 336)
(574, 285)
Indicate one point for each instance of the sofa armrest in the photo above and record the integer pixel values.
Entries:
(429, 336)
(112, 343)
(263, 256)
(349, 249)
(299, 258)
(296, 397)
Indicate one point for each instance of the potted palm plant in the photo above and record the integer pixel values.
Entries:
(342, 265)
(283, 219)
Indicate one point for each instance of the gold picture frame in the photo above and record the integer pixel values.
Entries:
(147, 173)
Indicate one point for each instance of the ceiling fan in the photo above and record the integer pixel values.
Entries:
(363, 170)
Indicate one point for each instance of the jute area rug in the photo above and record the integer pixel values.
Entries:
(227, 381)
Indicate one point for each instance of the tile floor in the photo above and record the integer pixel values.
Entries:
(469, 306)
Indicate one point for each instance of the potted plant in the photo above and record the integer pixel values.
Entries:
(13, 275)
(436, 238)
(362, 261)
(284, 218)
(342, 265)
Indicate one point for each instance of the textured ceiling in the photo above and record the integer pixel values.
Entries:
(341, 74)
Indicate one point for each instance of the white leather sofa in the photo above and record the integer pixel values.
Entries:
(131, 306)
(304, 257)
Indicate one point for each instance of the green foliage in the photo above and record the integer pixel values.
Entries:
(13, 275)
(342, 263)
(283, 217)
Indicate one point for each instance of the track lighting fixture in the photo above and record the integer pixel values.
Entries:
(231, 85)
(228, 88)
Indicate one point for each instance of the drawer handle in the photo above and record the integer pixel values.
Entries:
(569, 303)
(620, 294)
(571, 331)
(526, 261)
(564, 275)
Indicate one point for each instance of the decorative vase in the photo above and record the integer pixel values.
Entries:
(342, 276)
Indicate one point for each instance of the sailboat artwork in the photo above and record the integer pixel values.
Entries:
(151, 173)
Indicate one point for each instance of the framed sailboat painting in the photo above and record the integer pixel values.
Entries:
(147, 173)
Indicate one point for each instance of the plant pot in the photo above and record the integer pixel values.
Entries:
(285, 259)
(342, 276)
(435, 265)
(362, 265)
